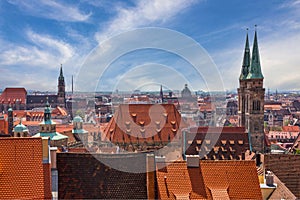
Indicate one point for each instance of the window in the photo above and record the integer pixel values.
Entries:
(256, 105)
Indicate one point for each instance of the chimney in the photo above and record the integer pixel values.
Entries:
(53, 151)
(258, 159)
(46, 150)
(150, 176)
(270, 179)
(192, 160)
(243, 156)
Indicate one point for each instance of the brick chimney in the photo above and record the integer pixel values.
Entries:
(150, 161)
(269, 179)
(192, 160)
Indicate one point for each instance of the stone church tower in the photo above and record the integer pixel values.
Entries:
(61, 94)
(251, 97)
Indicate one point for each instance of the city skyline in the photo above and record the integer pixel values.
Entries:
(36, 37)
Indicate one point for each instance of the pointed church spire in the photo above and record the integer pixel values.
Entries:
(161, 94)
(255, 68)
(246, 60)
(61, 76)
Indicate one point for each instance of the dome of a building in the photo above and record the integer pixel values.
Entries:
(186, 92)
(77, 119)
(20, 128)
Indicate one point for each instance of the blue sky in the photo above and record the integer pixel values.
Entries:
(37, 36)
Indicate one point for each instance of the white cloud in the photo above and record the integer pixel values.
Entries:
(44, 51)
(51, 9)
(145, 13)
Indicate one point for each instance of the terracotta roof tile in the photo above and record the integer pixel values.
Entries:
(132, 123)
(238, 178)
(211, 180)
(22, 172)
(10, 95)
(291, 128)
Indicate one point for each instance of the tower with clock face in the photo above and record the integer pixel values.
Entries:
(251, 97)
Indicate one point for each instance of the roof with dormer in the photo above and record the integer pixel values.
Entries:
(13, 95)
(210, 180)
(138, 123)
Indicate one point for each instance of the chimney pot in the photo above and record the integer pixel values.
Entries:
(192, 160)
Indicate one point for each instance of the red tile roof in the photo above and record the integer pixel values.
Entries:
(238, 178)
(291, 129)
(211, 180)
(208, 107)
(132, 123)
(58, 111)
(223, 143)
(4, 125)
(10, 95)
(22, 172)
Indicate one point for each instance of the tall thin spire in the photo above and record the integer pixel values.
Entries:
(161, 94)
(72, 85)
(61, 76)
(246, 60)
(255, 68)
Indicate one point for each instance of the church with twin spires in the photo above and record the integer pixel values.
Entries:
(251, 97)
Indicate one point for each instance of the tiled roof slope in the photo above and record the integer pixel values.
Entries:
(238, 178)
(281, 192)
(287, 169)
(22, 173)
(83, 176)
(138, 123)
(10, 95)
(211, 180)
(216, 143)
(176, 179)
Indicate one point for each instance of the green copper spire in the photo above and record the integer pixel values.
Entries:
(47, 113)
(255, 68)
(61, 76)
(246, 61)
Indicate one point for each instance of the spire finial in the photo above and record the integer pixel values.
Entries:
(255, 26)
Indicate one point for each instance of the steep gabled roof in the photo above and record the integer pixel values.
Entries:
(138, 123)
(211, 180)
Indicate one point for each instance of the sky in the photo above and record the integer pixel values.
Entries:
(197, 42)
